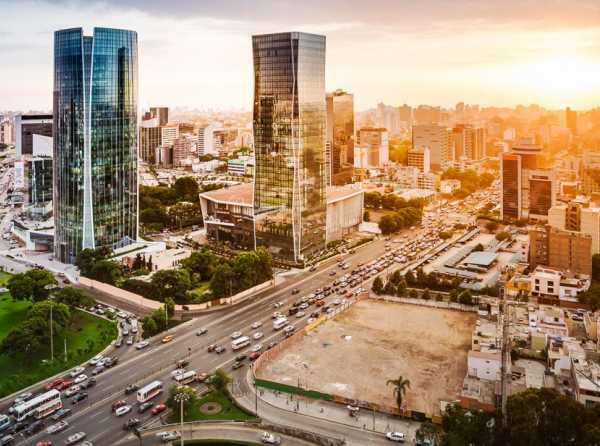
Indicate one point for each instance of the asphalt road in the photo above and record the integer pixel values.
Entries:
(94, 416)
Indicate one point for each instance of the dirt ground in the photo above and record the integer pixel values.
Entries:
(355, 354)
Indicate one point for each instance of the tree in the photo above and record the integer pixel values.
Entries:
(491, 226)
(34, 284)
(387, 225)
(426, 294)
(591, 297)
(61, 314)
(478, 247)
(189, 395)
(413, 294)
(140, 287)
(401, 385)
(186, 189)
(465, 298)
(377, 286)
(445, 235)
(401, 288)
(150, 326)
(173, 283)
(222, 281)
(372, 200)
(220, 379)
(73, 297)
(367, 216)
(86, 259)
(409, 277)
(428, 432)
(20, 287)
(201, 265)
(390, 288)
(501, 236)
(106, 271)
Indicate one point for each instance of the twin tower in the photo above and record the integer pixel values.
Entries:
(96, 142)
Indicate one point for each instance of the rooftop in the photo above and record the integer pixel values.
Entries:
(481, 258)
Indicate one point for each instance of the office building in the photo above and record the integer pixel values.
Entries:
(590, 172)
(568, 251)
(95, 140)
(162, 113)
(6, 131)
(289, 117)
(168, 134)
(467, 142)
(436, 138)
(420, 159)
(182, 149)
(206, 144)
(405, 114)
(340, 137)
(571, 120)
(425, 114)
(150, 139)
(528, 192)
(224, 140)
(376, 143)
(28, 125)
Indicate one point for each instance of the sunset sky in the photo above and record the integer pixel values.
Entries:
(198, 53)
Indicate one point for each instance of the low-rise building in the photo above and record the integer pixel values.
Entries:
(449, 186)
(586, 380)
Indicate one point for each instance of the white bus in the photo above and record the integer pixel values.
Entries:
(134, 326)
(40, 406)
(240, 343)
(279, 323)
(149, 391)
(186, 377)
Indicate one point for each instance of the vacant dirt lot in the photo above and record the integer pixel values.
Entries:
(355, 354)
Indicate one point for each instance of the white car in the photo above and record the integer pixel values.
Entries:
(268, 438)
(77, 371)
(258, 335)
(288, 329)
(310, 320)
(141, 345)
(72, 439)
(303, 306)
(276, 315)
(300, 314)
(175, 373)
(55, 428)
(278, 304)
(256, 348)
(398, 437)
(95, 359)
(336, 302)
(256, 325)
(123, 410)
(81, 378)
(168, 436)
(72, 390)
(236, 334)
(122, 314)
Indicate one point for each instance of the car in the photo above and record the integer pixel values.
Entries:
(58, 427)
(131, 388)
(75, 438)
(76, 372)
(116, 404)
(258, 335)
(310, 320)
(131, 423)
(202, 377)
(303, 306)
(278, 304)
(256, 348)
(268, 438)
(98, 370)
(111, 362)
(219, 349)
(175, 373)
(79, 397)
(332, 273)
(241, 357)
(167, 436)
(256, 324)
(167, 338)
(271, 345)
(141, 345)
(295, 291)
(72, 390)
(91, 382)
(10, 440)
(60, 414)
(143, 407)
(81, 378)
(336, 302)
(159, 408)
(253, 356)
(119, 412)
(288, 329)
(34, 427)
(300, 314)
(397, 437)
(119, 343)
(95, 359)
(65, 384)
(122, 314)
(237, 364)
(211, 348)
(236, 334)
(22, 398)
(129, 339)
(201, 332)
(54, 384)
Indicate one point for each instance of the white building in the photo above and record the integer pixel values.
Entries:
(168, 134)
(485, 364)
(586, 377)
(436, 138)
(206, 142)
(449, 186)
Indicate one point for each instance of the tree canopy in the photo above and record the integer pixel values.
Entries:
(34, 284)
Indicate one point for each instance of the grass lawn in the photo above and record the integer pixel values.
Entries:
(87, 336)
(229, 410)
(4, 278)
(11, 313)
(198, 292)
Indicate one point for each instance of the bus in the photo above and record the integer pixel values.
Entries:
(186, 377)
(240, 343)
(134, 326)
(40, 406)
(149, 391)
(280, 322)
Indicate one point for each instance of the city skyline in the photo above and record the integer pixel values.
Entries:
(475, 55)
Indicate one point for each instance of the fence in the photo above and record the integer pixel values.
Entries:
(428, 303)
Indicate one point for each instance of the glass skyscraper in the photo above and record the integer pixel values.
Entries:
(95, 140)
(340, 136)
(289, 144)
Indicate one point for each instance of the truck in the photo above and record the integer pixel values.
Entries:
(279, 323)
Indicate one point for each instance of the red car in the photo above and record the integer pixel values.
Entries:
(117, 404)
(65, 384)
(54, 384)
(254, 355)
(43, 443)
(158, 409)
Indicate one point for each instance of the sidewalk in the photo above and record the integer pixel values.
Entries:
(375, 422)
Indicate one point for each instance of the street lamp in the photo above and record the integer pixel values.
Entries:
(182, 397)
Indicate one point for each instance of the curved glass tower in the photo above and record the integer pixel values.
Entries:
(289, 144)
(95, 140)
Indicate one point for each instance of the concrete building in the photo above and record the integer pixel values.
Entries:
(590, 224)
(224, 140)
(206, 144)
(567, 251)
(6, 131)
(183, 147)
(26, 126)
(586, 379)
(590, 172)
(168, 134)
(243, 165)
(554, 283)
(467, 142)
(374, 142)
(449, 186)
(160, 113)
(436, 138)
(420, 158)
(228, 214)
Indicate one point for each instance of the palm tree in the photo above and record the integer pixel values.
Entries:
(400, 387)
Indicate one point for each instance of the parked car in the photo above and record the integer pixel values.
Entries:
(141, 345)
(76, 372)
(397, 437)
(237, 364)
(269, 438)
(116, 404)
(220, 349)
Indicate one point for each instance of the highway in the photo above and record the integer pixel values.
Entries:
(94, 416)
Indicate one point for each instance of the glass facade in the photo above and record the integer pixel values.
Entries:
(39, 184)
(289, 144)
(340, 136)
(95, 140)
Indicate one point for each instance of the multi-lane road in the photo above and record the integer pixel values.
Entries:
(94, 415)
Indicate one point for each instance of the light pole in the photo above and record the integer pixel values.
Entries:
(51, 333)
(181, 398)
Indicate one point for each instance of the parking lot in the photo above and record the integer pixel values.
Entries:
(356, 353)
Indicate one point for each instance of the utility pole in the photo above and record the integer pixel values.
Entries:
(505, 359)
(51, 333)
(65, 349)
(181, 398)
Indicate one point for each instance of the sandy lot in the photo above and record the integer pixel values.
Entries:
(355, 354)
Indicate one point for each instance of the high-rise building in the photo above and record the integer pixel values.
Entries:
(436, 138)
(425, 114)
(168, 134)
(162, 113)
(571, 120)
(150, 139)
(340, 137)
(95, 140)
(419, 158)
(467, 142)
(376, 143)
(28, 125)
(206, 144)
(6, 131)
(405, 113)
(182, 149)
(289, 117)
